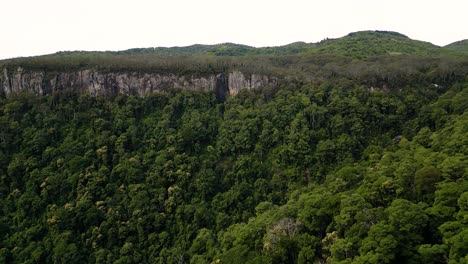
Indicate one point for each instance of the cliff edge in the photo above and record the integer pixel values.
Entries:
(98, 83)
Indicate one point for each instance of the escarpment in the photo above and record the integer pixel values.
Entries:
(97, 83)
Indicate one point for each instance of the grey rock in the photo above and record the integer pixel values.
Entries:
(237, 81)
(97, 83)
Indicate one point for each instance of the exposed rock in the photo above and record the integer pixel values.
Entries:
(237, 81)
(110, 84)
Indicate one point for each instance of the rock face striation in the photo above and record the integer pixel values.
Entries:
(98, 83)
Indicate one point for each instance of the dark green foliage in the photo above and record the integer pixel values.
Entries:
(316, 171)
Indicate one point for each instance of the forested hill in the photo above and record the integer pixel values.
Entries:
(348, 158)
(460, 46)
(379, 59)
(358, 44)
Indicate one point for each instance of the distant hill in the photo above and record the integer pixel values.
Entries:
(298, 58)
(224, 49)
(460, 46)
(362, 44)
(374, 43)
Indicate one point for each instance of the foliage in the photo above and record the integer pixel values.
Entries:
(460, 46)
(371, 43)
(323, 170)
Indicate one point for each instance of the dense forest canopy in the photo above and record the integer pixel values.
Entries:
(357, 157)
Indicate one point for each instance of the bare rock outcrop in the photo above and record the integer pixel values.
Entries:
(98, 83)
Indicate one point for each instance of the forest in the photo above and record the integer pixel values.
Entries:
(354, 160)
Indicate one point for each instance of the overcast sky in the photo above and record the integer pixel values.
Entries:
(33, 27)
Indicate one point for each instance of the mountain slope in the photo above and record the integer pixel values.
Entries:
(336, 152)
(310, 174)
(224, 49)
(374, 43)
(375, 58)
(357, 45)
(460, 46)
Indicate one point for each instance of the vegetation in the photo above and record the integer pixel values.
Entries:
(460, 46)
(349, 161)
(361, 44)
(311, 173)
(372, 43)
(373, 58)
(358, 45)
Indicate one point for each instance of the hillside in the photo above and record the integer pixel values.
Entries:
(358, 45)
(460, 46)
(372, 58)
(308, 173)
(224, 49)
(352, 150)
(374, 43)
(110, 75)
(361, 44)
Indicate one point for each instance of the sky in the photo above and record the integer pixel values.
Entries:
(35, 27)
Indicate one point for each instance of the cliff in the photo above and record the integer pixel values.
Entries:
(98, 83)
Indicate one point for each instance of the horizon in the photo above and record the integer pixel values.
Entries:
(50, 26)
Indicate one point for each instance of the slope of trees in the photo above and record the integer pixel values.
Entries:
(459, 46)
(326, 171)
(356, 46)
(360, 44)
(364, 44)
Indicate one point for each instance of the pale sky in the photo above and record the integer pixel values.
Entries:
(34, 27)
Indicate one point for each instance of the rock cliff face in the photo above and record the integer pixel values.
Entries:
(109, 84)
